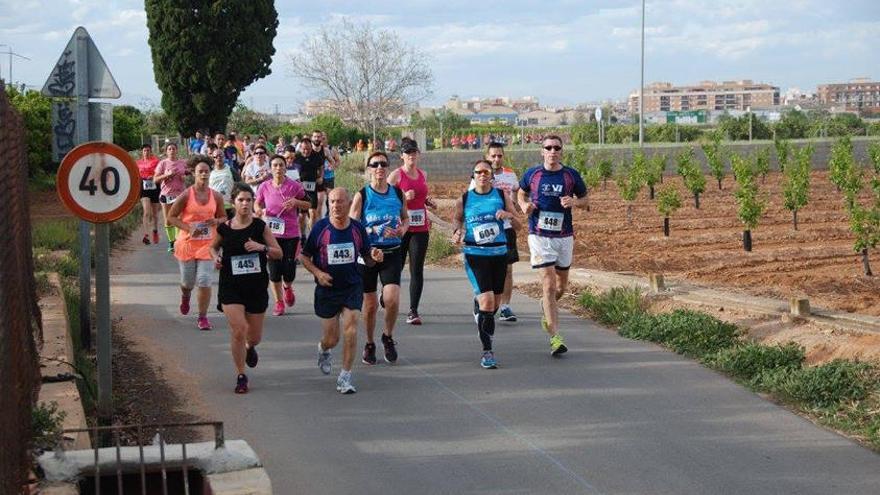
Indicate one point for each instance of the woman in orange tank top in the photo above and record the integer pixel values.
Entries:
(196, 213)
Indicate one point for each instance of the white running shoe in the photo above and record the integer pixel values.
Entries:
(343, 383)
(325, 360)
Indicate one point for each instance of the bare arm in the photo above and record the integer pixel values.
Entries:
(457, 220)
(323, 278)
(274, 252)
(355, 210)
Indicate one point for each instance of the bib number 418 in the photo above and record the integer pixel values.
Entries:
(87, 182)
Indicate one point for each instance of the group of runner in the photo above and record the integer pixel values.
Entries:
(256, 230)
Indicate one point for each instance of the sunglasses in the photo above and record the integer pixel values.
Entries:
(553, 148)
(382, 164)
(259, 152)
(482, 171)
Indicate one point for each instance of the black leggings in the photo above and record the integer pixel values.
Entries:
(415, 243)
(285, 267)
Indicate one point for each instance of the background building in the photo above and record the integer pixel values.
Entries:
(708, 95)
(861, 95)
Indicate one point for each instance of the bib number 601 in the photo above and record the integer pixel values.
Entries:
(87, 183)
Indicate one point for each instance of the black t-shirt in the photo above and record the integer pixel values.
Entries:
(309, 166)
(238, 263)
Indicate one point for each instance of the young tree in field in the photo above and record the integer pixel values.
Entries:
(796, 181)
(605, 167)
(714, 157)
(692, 174)
(576, 157)
(653, 173)
(592, 178)
(783, 152)
(668, 201)
(762, 162)
(751, 206)
(660, 162)
(841, 162)
(206, 53)
(367, 75)
(864, 219)
(630, 179)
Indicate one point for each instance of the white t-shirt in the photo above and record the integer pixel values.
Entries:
(255, 169)
(222, 182)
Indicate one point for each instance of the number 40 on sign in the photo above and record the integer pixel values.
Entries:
(98, 182)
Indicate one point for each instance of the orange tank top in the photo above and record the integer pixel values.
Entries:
(196, 245)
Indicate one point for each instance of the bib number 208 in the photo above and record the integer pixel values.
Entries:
(87, 183)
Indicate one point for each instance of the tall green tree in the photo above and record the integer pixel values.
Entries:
(714, 157)
(129, 126)
(36, 112)
(205, 53)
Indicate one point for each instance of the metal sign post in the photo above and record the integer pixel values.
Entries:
(80, 74)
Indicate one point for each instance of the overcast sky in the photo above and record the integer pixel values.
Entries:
(563, 52)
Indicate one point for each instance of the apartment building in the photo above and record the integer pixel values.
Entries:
(707, 95)
(860, 95)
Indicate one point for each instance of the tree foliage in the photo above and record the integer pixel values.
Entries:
(668, 201)
(205, 53)
(365, 75)
(796, 181)
(129, 124)
(36, 113)
(690, 171)
(737, 128)
(751, 205)
(714, 157)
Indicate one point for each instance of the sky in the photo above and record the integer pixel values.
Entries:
(563, 52)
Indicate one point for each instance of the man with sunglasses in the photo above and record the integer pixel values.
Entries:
(547, 194)
(257, 169)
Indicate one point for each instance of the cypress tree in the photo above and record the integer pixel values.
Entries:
(205, 53)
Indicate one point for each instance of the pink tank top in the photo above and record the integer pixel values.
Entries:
(418, 214)
(196, 245)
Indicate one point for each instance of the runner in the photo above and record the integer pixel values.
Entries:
(278, 203)
(311, 174)
(413, 182)
(547, 194)
(330, 254)
(169, 174)
(196, 213)
(245, 242)
(256, 171)
(505, 179)
(149, 193)
(479, 222)
(331, 161)
(383, 210)
(221, 179)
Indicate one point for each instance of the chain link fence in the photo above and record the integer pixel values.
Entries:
(20, 320)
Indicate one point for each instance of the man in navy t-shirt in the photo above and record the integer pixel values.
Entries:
(331, 255)
(547, 194)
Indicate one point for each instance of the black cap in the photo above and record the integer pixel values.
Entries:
(409, 146)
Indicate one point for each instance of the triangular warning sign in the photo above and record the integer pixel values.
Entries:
(62, 80)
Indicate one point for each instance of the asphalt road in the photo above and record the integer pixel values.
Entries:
(612, 416)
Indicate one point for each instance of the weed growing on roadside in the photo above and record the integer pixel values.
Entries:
(828, 385)
(46, 425)
(687, 332)
(439, 246)
(614, 306)
(748, 361)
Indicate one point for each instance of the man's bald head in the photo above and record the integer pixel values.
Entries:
(339, 201)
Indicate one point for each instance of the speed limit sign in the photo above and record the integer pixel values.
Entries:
(98, 182)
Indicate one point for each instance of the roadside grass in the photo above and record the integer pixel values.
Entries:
(439, 246)
(843, 395)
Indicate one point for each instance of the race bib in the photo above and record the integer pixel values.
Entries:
(550, 221)
(169, 198)
(202, 232)
(292, 174)
(148, 185)
(340, 254)
(486, 233)
(416, 218)
(309, 185)
(276, 225)
(245, 264)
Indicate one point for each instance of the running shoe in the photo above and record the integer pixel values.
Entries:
(184, 304)
(279, 308)
(343, 383)
(155, 237)
(242, 386)
(146, 240)
(171, 247)
(487, 361)
(289, 296)
(369, 354)
(557, 345)
(251, 357)
(476, 311)
(325, 360)
(506, 314)
(390, 349)
(413, 318)
(203, 323)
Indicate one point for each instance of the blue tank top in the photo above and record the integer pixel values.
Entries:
(380, 211)
(484, 234)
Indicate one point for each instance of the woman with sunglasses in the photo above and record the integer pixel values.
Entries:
(257, 170)
(381, 208)
(278, 202)
(221, 179)
(479, 223)
(240, 250)
(414, 184)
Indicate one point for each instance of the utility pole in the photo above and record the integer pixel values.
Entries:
(642, 87)
(12, 54)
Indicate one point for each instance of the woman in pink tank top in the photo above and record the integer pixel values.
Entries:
(414, 184)
(196, 213)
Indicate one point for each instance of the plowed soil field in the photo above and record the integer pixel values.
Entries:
(705, 245)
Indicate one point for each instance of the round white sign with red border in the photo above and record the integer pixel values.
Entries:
(98, 182)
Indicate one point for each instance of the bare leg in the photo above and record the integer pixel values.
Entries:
(204, 298)
(239, 330)
(561, 283)
(276, 290)
(370, 307)
(349, 322)
(329, 333)
(391, 296)
(548, 300)
(255, 328)
(148, 217)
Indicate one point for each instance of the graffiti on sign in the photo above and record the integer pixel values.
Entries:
(63, 79)
(63, 128)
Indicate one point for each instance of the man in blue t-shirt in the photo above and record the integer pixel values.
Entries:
(331, 255)
(195, 146)
(547, 194)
